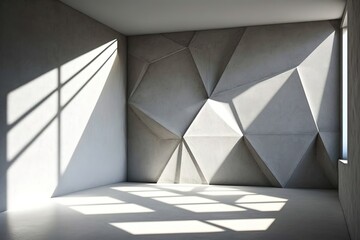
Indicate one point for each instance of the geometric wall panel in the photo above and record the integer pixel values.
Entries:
(214, 120)
(246, 106)
(212, 50)
(228, 162)
(152, 47)
(155, 127)
(182, 38)
(328, 153)
(182, 167)
(135, 73)
(265, 51)
(322, 87)
(267, 106)
(172, 92)
(280, 153)
(309, 173)
(148, 153)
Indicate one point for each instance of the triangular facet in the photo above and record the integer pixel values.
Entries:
(228, 162)
(269, 50)
(153, 125)
(319, 74)
(169, 174)
(189, 172)
(309, 173)
(209, 123)
(182, 38)
(212, 50)
(135, 73)
(266, 107)
(148, 153)
(331, 141)
(280, 153)
(328, 154)
(152, 47)
(174, 99)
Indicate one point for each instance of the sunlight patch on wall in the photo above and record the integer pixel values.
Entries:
(79, 98)
(46, 119)
(22, 99)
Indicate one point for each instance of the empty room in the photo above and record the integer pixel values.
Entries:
(180, 119)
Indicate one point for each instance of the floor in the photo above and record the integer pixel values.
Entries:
(148, 211)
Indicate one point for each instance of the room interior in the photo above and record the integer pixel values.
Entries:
(175, 119)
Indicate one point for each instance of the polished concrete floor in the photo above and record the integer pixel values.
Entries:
(147, 211)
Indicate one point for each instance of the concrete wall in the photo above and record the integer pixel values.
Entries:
(249, 106)
(349, 175)
(62, 102)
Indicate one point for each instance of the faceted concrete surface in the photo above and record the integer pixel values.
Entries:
(242, 105)
(160, 211)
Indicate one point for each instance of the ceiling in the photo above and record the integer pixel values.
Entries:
(134, 17)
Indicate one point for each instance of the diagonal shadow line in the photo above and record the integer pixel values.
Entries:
(78, 72)
(228, 60)
(313, 142)
(192, 38)
(231, 56)
(19, 119)
(162, 171)
(203, 81)
(87, 82)
(168, 55)
(202, 176)
(178, 164)
(56, 116)
(134, 106)
(298, 71)
(31, 141)
(140, 77)
(235, 114)
(262, 165)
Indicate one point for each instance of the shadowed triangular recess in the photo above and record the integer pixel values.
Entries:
(228, 162)
(328, 154)
(148, 153)
(280, 153)
(319, 74)
(153, 125)
(182, 38)
(190, 171)
(152, 47)
(309, 172)
(171, 172)
(270, 50)
(135, 73)
(212, 50)
(214, 119)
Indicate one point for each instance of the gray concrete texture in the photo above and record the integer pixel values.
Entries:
(245, 106)
(167, 212)
(42, 37)
(349, 175)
